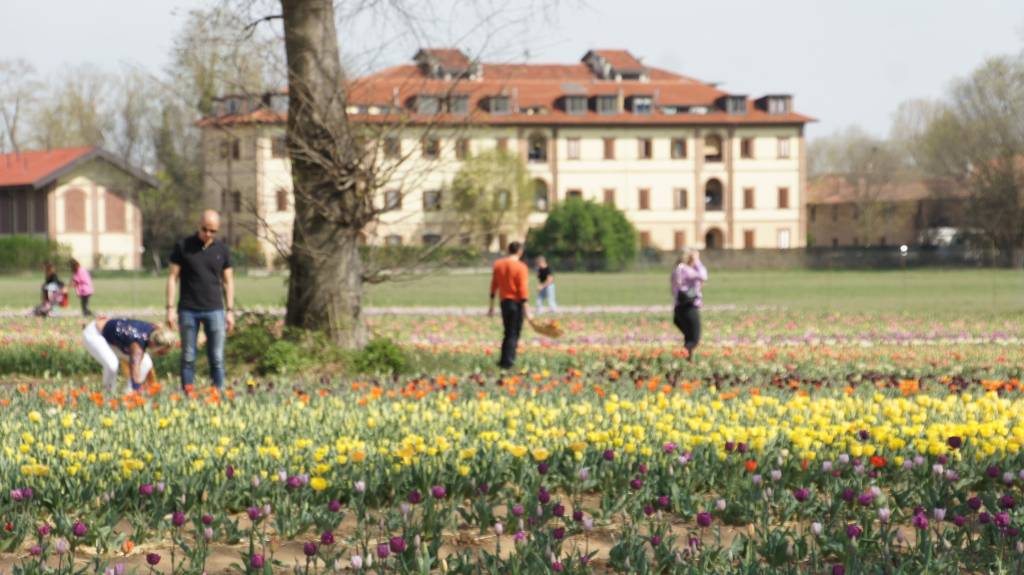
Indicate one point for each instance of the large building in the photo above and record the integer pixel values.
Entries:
(84, 198)
(690, 164)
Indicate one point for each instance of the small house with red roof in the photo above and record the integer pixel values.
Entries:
(85, 198)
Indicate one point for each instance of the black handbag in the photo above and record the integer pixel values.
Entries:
(687, 297)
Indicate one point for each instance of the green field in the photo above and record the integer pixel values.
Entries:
(933, 291)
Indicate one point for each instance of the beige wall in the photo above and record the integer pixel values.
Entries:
(97, 246)
(259, 176)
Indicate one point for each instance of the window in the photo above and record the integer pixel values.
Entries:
(499, 105)
(538, 148)
(502, 242)
(644, 199)
(576, 105)
(645, 239)
(573, 148)
(236, 201)
(114, 212)
(783, 148)
(609, 148)
(459, 105)
(392, 147)
(392, 200)
(501, 199)
(501, 144)
(574, 195)
(461, 149)
(279, 147)
(783, 198)
(713, 196)
(783, 239)
(607, 104)
(236, 149)
(74, 210)
(431, 148)
(282, 200)
(540, 195)
(748, 239)
(814, 212)
(225, 149)
(747, 148)
(681, 199)
(431, 201)
(678, 148)
(393, 240)
(609, 197)
(41, 221)
(642, 105)
(679, 241)
(748, 198)
(428, 104)
(778, 105)
(431, 239)
(645, 148)
(736, 104)
(713, 148)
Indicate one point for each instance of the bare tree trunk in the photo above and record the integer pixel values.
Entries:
(326, 284)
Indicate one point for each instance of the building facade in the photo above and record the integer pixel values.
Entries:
(84, 198)
(689, 164)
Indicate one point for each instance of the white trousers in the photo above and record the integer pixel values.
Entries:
(102, 352)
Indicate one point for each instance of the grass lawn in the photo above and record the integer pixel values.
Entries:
(945, 292)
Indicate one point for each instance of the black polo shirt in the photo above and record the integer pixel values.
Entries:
(202, 273)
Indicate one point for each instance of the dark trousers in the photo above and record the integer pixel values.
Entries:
(85, 305)
(512, 319)
(687, 319)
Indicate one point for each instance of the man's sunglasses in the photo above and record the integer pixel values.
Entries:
(208, 230)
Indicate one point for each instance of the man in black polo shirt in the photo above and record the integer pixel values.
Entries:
(204, 266)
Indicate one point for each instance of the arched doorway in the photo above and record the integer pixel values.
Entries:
(713, 239)
(713, 195)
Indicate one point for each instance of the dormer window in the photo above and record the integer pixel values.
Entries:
(642, 105)
(232, 106)
(428, 105)
(459, 105)
(736, 104)
(607, 105)
(778, 105)
(499, 105)
(576, 105)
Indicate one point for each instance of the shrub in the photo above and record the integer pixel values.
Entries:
(381, 356)
(585, 235)
(28, 253)
(283, 356)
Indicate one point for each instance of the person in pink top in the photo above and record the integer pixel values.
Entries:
(82, 281)
(687, 282)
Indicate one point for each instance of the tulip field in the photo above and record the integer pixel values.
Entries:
(796, 442)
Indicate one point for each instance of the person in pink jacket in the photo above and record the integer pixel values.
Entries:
(82, 281)
(687, 282)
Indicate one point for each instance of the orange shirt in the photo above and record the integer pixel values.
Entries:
(509, 279)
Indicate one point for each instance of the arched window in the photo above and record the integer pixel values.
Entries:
(114, 212)
(282, 200)
(713, 196)
(713, 148)
(74, 210)
(540, 195)
(713, 239)
(538, 152)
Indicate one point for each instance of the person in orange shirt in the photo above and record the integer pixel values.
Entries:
(509, 280)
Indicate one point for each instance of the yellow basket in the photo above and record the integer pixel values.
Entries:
(548, 328)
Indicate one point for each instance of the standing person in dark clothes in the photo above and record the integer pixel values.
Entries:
(203, 264)
(509, 279)
(545, 286)
(687, 282)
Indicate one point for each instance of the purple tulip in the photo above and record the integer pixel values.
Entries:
(974, 503)
(959, 521)
(542, 468)
(730, 446)
(1002, 519)
(955, 442)
(327, 538)
(838, 569)
(884, 514)
(79, 529)
(642, 469)
(558, 533)
(415, 496)
(383, 551)
(557, 567)
(655, 540)
(43, 529)
(854, 531)
(863, 435)
(152, 558)
(177, 518)
(1007, 501)
(397, 545)
(229, 471)
(309, 549)
(984, 518)
(519, 536)
(866, 499)
(256, 561)
(146, 489)
(848, 494)
(558, 510)
(669, 447)
(517, 510)
(801, 494)
(334, 506)
(577, 515)
(608, 455)
(648, 510)
(207, 519)
(636, 484)
(438, 491)
(253, 513)
(664, 502)
(993, 471)
(543, 496)
(704, 519)
(920, 521)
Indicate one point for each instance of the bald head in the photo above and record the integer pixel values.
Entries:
(209, 225)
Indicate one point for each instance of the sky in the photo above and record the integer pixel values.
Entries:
(847, 62)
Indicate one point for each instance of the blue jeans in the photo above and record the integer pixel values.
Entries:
(546, 294)
(214, 325)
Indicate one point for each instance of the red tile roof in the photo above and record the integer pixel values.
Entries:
(40, 167)
(34, 168)
(620, 59)
(538, 86)
(448, 58)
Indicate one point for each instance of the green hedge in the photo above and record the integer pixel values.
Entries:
(29, 253)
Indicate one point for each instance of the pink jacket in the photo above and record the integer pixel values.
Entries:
(82, 282)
